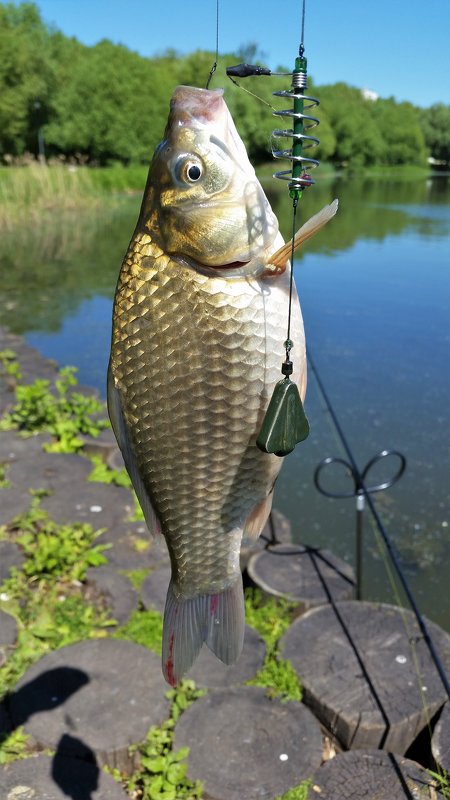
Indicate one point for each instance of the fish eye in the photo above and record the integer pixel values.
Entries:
(193, 172)
(189, 170)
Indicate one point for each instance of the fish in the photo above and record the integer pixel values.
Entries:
(199, 313)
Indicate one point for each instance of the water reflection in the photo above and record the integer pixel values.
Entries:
(374, 287)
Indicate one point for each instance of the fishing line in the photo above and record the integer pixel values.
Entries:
(214, 66)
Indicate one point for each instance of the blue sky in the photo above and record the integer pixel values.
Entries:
(394, 47)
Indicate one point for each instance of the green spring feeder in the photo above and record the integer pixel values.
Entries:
(285, 423)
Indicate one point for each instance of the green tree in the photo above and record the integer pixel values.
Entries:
(403, 139)
(435, 124)
(25, 72)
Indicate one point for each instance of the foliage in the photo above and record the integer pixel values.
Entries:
(64, 413)
(443, 783)
(9, 365)
(162, 772)
(13, 746)
(91, 104)
(104, 474)
(143, 627)
(436, 129)
(300, 792)
(54, 550)
(271, 619)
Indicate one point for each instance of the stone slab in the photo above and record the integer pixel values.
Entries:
(10, 556)
(304, 575)
(57, 778)
(367, 673)
(101, 694)
(372, 775)
(126, 552)
(100, 504)
(210, 673)
(154, 588)
(440, 742)
(277, 529)
(12, 503)
(49, 471)
(119, 595)
(8, 629)
(244, 745)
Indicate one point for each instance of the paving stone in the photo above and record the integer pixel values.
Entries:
(245, 745)
(102, 445)
(127, 553)
(154, 588)
(57, 778)
(120, 596)
(307, 576)
(359, 665)
(372, 775)
(49, 471)
(440, 743)
(8, 629)
(101, 695)
(12, 503)
(100, 504)
(10, 556)
(210, 673)
(15, 447)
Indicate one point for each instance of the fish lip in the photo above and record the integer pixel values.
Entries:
(235, 269)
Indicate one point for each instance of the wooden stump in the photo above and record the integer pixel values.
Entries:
(244, 745)
(10, 556)
(8, 629)
(301, 574)
(96, 697)
(440, 743)
(126, 551)
(277, 529)
(57, 778)
(102, 505)
(372, 775)
(210, 673)
(358, 663)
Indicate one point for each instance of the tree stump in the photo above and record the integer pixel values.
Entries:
(8, 629)
(244, 745)
(372, 775)
(301, 574)
(95, 697)
(57, 778)
(277, 529)
(210, 673)
(126, 551)
(10, 556)
(440, 743)
(357, 663)
(100, 504)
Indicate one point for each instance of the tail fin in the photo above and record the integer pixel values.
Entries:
(217, 619)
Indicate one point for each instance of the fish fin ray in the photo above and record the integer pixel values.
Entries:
(278, 261)
(217, 619)
(226, 622)
(121, 434)
(257, 519)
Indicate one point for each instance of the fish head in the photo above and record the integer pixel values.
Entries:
(204, 203)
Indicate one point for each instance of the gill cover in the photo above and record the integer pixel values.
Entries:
(207, 202)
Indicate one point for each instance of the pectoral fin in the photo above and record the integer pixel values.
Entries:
(278, 261)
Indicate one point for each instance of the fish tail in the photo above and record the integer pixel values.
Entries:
(217, 619)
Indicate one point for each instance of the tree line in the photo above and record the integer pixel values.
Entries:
(107, 104)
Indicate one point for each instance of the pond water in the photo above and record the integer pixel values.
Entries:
(375, 292)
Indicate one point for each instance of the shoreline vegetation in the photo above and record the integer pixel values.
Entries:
(34, 190)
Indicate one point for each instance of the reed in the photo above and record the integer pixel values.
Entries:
(28, 192)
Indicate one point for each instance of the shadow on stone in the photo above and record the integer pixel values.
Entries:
(49, 690)
(77, 780)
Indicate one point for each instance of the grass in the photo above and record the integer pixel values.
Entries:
(35, 190)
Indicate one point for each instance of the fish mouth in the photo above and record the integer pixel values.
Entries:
(235, 269)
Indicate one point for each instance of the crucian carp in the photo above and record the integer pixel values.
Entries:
(197, 342)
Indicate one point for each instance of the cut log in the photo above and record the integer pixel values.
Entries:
(57, 778)
(372, 775)
(301, 574)
(277, 529)
(244, 745)
(101, 695)
(8, 629)
(10, 556)
(154, 588)
(440, 743)
(367, 673)
(117, 591)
